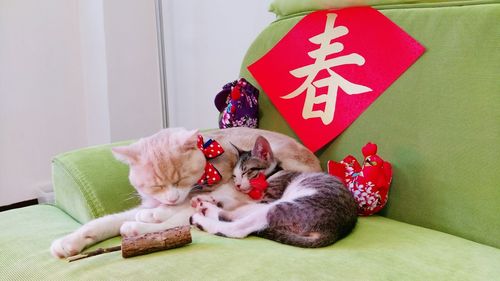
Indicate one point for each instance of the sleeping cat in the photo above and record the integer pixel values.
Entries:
(297, 208)
(165, 168)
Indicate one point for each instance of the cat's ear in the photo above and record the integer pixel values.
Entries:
(240, 151)
(190, 139)
(128, 154)
(262, 149)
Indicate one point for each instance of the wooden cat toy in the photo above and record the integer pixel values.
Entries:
(145, 244)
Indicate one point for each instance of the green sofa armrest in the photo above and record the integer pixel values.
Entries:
(91, 183)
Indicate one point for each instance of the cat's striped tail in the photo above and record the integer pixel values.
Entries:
(307, 240)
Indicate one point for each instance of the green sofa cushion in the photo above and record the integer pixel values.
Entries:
(438, 123)
(283, 8)
(90, 183)
(378, 249)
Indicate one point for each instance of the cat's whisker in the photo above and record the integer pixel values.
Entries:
(132, 196)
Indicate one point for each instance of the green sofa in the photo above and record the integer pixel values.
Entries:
(439, 125)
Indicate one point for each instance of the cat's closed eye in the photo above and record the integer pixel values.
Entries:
(255, 169)
(252, 172)
(181, 181)
(156, 188)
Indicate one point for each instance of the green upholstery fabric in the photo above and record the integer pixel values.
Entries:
(378, 249)
(439, 123)
(85, 180)
(283, 8)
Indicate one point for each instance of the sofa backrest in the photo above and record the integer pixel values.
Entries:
(439, 123)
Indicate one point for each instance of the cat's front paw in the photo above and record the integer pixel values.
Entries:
(156, 215)
(198, 220)
(197, 200)
(208, 209)
(134, 228)
(130, 229)
(67, 246)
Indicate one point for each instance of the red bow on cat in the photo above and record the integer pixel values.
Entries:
(211, 149)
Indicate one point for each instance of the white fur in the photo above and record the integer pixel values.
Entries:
(165, 201)
(246, 219)
(90, 233)
(250, 218)
(296, 190)
(164, 217)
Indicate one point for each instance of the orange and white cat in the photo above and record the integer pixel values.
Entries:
(165, 168)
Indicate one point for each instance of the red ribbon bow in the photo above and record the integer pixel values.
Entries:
(259, 184)
(211, 149)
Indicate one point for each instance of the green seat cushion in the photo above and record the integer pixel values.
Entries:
(378, 249)
(438, 124)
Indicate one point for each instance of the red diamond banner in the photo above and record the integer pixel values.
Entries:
(330, 67)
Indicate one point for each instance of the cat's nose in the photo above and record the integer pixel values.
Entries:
(172, 199)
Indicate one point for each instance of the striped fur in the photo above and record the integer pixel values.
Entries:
(298, 208)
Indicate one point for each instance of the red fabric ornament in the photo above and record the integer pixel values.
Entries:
(369, 149)
(211, 149)
(236, 93)
(259, 185)
(235, 96)
(368, 183)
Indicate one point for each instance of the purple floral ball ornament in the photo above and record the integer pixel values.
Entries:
(238, 105)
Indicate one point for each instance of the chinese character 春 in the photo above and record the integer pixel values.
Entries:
(333, 81)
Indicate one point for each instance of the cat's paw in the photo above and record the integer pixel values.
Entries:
(197, 200)
(208, 210)
(67, 246)
(204, 223)
(156, 215)
(198, 220)
(134, 228)
(130, 229)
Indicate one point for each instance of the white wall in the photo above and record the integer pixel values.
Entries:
(133, 68)
(205, 44)
(120, 69)
(94, 71)
(41, 97)
(73, 73)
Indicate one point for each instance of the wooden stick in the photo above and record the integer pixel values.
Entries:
(157, 241)
(94, 253)
(145, 244)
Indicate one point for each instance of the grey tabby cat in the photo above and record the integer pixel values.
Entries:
(300, 209)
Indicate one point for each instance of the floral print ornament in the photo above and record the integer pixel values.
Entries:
(238, 105)
(369, 183)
